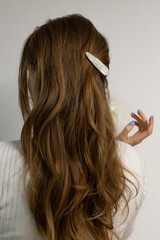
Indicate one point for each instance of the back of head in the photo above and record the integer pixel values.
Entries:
(68, 136)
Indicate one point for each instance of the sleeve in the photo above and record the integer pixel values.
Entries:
(16, 220)
(132, 161)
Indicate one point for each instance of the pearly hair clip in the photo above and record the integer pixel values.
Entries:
(98, 64)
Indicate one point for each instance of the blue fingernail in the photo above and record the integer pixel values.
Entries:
(133, 113)
(132, 123)
(152, 117)
(140, 110)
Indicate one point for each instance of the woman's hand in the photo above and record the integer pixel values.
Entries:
(145, 129)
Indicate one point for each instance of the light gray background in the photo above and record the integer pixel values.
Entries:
(132, 28)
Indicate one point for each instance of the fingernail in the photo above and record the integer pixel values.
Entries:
(140, 110)
(133, 113)
(153, 118)
(132, 123)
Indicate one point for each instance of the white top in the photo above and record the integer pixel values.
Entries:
(16, 221)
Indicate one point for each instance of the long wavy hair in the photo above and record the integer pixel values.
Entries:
(68, 138)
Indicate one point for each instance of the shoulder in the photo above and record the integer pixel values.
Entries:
(8, 146)
(11, 157)
(15, 144)
(12, 170)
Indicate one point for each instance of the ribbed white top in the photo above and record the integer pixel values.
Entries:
(16, 221)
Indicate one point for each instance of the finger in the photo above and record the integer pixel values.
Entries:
(136, 117)
(128, 128)
(140, 136)
(137, 124)
(142, 115)
(151, 125)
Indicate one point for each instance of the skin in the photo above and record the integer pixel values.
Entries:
(145, 126)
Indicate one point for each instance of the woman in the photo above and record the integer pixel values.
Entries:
(81, 181)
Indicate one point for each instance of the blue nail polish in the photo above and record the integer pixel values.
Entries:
(153, 118)
(132, 123)
(133, 113)
(140, 110)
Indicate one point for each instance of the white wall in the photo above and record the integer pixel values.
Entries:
(133, 30)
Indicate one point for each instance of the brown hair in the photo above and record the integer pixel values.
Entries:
(68, 137)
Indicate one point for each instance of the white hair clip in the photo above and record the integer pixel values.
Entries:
(98, 64)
